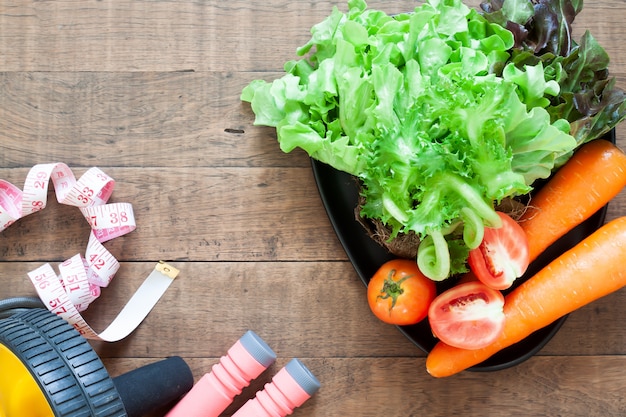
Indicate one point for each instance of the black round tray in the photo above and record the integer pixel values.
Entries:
(339, 194)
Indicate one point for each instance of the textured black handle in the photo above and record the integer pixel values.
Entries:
(155, 386)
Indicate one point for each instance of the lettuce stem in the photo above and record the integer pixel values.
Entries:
(433, 256)
(474, 200)
(473, 228)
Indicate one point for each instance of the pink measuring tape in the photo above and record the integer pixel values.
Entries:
(81, 277)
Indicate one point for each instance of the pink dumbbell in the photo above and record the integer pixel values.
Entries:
(290, 388)
(214, 392)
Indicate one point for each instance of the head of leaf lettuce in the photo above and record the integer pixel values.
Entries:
(433, 111)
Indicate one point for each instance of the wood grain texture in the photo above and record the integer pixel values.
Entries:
(71, 35)
(194, 214)
(149, 92)
(543, 386)
(172, 119)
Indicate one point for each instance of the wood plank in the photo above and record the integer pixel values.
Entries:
(571, 386)
(142, 119)
(221, 214)
(158, 36)
(313, 309)
(196, 36)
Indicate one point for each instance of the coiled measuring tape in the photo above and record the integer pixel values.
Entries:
(81, 277)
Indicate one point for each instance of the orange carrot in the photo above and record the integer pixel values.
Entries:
(589, 180)
(592, 269)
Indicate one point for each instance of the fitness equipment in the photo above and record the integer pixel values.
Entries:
(289, 388)
(214, 392)
(246, 360)
(47, 369)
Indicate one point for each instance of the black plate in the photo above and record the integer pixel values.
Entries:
(339, 193)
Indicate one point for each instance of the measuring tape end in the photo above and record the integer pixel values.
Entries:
(167, 270)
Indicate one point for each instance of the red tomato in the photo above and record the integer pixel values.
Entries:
(399, 293)
(502, 256)
(468, 316)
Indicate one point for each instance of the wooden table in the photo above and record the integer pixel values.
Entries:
(148, 91)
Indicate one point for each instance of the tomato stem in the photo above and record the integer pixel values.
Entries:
(392, 288)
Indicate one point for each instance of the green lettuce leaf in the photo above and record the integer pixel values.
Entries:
(430, 110)
(587, 98)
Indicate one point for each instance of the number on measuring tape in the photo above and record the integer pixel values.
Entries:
(81, 277)
(55, 296)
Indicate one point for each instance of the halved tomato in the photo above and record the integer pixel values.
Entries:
(502, 256)
(467, 316)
